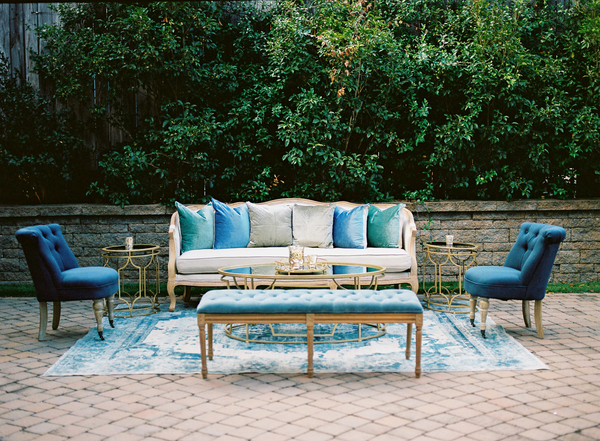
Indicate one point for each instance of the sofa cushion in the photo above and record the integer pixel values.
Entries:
(312, 225)
(270, 225)
(232, 226)
(350, 227)
(197, 227)
(384, 228)
(209, 261)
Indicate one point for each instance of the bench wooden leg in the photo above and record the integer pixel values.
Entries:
(408, 337)
(310, 325)
(202, 327)
(210, 341)
(419, 325)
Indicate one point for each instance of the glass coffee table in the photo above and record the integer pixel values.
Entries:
(331, 274)
(326, 274)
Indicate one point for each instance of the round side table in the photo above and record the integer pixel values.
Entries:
(460, 256)
(143, 260)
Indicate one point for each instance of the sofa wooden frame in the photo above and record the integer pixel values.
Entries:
(408, 277)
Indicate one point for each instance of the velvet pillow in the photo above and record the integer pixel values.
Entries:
(350, 227)
(270, 225)
(197, 227)
(232, 226)
(384, 227)
(312, 225)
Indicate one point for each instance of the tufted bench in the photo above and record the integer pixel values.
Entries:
(310, 307)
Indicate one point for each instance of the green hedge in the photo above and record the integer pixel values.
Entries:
(334, 100)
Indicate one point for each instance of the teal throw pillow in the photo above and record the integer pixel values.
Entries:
(384, 227)
(197, 227)
(350, 227)
(232, 226)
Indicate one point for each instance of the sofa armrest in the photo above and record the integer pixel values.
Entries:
(174, 247)
(409, 239)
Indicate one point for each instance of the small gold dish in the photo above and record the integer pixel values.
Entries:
(283, 266)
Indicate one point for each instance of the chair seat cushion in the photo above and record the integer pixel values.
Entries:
(309, 301)
(497, 282)
(88, 283)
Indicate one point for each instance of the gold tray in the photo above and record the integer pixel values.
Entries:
(283, 267)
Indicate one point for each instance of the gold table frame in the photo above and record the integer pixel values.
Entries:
(262, 272)
(145, 300)
(459, 255)
(303, 277)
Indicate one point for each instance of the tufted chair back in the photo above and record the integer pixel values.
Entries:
(533, 255)
(48, 255)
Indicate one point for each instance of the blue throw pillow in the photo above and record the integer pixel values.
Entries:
(350, 227)
(232, 225)
(197, 227)
(384, 226)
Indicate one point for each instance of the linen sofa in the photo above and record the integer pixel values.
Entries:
(204, 238)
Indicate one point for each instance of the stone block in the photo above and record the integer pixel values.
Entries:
(142, 228)
(589, 256)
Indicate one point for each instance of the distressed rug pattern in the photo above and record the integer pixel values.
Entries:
(167, 343)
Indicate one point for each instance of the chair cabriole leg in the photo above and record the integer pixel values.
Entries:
(484, 305)
(538, 318)
(526, 315)
(110, 306)
(55, 315)
(99, 313)
(43, 320)
(473, 308)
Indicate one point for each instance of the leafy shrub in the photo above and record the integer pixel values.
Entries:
(336, 100)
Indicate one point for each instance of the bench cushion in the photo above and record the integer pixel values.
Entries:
(309, 301)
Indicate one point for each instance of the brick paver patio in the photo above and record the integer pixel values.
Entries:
(562, 403)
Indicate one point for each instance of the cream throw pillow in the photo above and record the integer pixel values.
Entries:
(270, 225)
(313, 225)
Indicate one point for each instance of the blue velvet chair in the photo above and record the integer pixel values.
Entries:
(524, 276)
(58, 278)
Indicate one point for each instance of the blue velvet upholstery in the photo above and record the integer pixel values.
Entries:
(525, 273)
(56, 274)
(309, 301)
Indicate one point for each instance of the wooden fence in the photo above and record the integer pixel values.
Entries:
(17, 34)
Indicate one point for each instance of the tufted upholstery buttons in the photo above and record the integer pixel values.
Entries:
(313, 301)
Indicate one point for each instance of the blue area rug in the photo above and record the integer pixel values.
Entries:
(167, 343)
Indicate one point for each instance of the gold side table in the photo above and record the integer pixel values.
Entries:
(143, 260)
(459, 255)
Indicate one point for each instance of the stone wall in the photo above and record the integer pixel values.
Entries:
(491, 225)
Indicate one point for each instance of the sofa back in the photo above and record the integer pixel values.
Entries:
(407, 220)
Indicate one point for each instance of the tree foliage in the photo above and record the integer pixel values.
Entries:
(329, 99)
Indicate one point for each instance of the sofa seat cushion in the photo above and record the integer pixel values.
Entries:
(210, 260)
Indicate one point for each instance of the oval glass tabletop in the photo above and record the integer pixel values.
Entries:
(330, 271)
